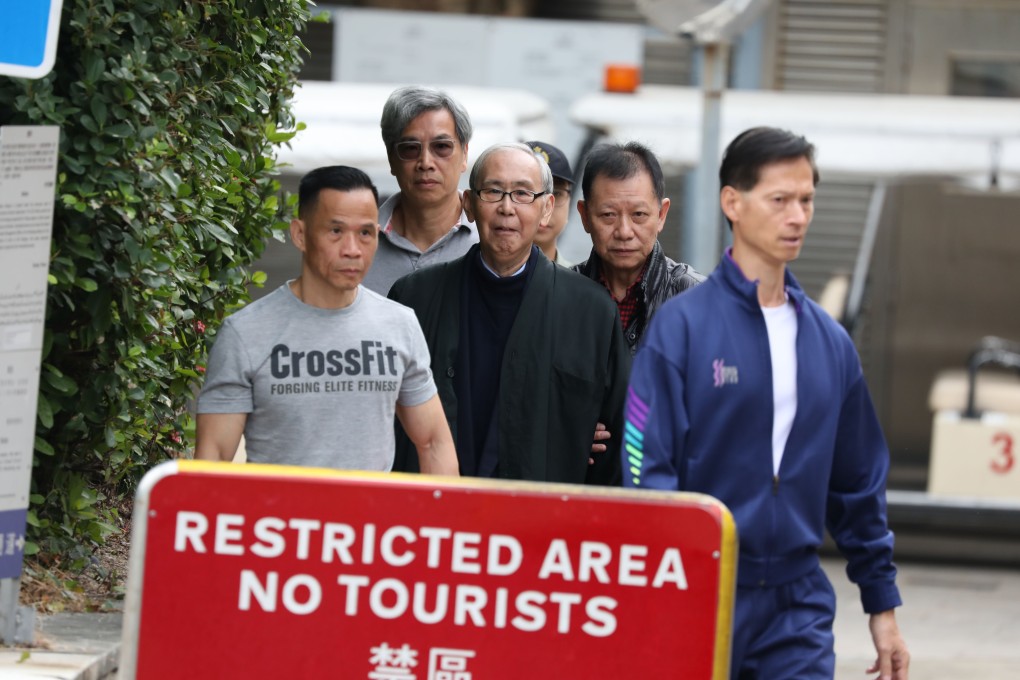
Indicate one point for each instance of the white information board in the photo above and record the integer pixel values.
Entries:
(28, 164)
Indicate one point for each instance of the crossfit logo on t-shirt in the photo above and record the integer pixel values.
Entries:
(371, 359)
(723, 374)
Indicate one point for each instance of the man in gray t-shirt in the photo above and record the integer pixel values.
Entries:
(314, 373)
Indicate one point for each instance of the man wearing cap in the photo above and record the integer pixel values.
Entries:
(563, 187)
(426, 133)
(624, 208)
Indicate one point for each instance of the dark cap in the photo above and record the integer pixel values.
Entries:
(556, 159)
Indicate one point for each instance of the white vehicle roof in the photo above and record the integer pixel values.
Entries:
(865, 134)
(342, 122)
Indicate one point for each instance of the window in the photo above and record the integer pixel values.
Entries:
(985, 77)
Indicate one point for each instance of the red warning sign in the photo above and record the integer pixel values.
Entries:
(269, 572)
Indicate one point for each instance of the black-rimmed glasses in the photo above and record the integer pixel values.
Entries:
(523, 196)
(411, 150)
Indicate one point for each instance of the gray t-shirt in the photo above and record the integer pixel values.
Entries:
(320, 385)
(396, 256)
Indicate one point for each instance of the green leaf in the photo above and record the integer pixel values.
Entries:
(98, 108)
(278, 136)
(44, 412)
(93, 66)
(218, 233)
(89, 123)
(120, 130)
(110, 436)
(88, 285)
(233, 158)
(170, 177)
(61, 383)
(43, 447)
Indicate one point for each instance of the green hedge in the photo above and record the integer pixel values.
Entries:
(169, 110)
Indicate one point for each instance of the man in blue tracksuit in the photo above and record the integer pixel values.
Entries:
(744, 389)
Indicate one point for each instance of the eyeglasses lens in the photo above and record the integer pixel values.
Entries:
(411, 151)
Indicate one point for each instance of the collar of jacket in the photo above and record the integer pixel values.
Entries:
(653, 270)
(734, 279)
(475, 253)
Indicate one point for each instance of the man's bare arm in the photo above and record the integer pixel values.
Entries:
(217, 435)
(426, 426)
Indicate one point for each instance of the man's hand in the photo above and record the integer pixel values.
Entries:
(893, 662)
(601, 434)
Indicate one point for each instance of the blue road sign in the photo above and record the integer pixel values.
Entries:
(28, 36)
(12, 541)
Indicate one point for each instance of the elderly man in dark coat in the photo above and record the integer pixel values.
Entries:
(528, 357)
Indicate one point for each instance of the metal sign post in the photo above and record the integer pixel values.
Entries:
(415, 577)
(712, 25)
(28, 166)
(28, 162)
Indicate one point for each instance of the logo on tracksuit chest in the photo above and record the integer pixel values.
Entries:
(723, 374)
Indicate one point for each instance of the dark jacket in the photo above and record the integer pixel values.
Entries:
(564, 369)
(663, 279)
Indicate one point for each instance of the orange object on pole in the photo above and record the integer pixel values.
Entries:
(622, 78)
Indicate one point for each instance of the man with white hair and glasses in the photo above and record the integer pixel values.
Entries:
(426, 133)
(527, 356)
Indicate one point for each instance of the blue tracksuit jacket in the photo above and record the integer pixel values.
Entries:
(699, 418)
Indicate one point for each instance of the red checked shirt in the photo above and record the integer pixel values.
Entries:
(629, 305)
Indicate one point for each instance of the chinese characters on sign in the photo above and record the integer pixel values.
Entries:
(398, 663)
(393, 663)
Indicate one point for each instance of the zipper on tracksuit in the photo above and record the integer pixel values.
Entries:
(774, 529)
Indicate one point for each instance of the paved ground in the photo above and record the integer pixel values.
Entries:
(960, 622)
(68, 647)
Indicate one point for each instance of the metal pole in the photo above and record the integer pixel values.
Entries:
(17, 624)
(703, 239)
(855, 296)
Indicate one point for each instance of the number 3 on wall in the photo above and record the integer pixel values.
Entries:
(1003, 462)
